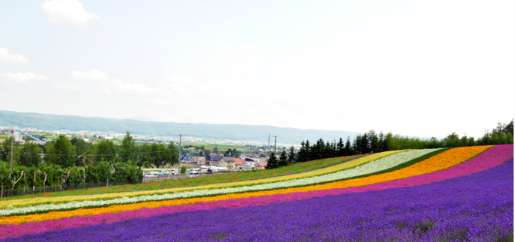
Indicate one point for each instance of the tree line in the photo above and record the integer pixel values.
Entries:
(73, 161)
(372, 142)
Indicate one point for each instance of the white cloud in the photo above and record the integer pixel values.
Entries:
(6, 57)
(110, 85)
(94, 74)
(27, 79)
(66, 11)
(21, 77)
(135, 87)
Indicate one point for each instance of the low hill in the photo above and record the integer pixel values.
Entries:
(206, 131)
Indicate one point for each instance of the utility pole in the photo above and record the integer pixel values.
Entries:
(275, 145)
(268, 147)
(12, 150)
(180, 148)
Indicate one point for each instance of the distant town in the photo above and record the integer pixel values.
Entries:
(251, 155)
(88, 136)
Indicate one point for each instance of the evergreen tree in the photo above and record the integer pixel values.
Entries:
(283, 159)
(318, 150)
(308, 151)
(304, 152)
(356, 145)
(328, 152)
(374, 141)
(365, 144)
(291, 155)
(347, 149)
(381, 142)
(272, 162)
(334, 149)
(341, 148)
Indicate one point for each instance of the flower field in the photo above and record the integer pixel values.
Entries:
(463, 194)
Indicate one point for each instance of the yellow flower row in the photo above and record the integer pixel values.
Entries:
(438, 162)
(346, 165)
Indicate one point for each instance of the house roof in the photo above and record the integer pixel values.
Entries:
(216, 157)
(263, 164)
(238, 161)
(229, 159)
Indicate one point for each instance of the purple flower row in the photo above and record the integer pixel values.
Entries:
(477, 207)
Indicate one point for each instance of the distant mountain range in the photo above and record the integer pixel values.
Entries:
(234, 132)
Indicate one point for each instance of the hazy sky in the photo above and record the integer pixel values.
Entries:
(422, 68)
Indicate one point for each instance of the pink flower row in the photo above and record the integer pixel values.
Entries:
(488, 159)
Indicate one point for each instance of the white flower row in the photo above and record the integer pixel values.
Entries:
(367, 168)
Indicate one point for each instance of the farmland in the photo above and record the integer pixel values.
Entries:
(463, 194)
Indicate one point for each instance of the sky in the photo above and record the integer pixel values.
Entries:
(417, 68)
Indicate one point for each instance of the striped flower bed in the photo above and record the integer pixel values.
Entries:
(366, 168)
(56, 200)
(443, 166)
(438, 162)
(432, 212)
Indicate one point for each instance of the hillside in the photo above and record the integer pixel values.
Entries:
(207, 131)
(403, 192)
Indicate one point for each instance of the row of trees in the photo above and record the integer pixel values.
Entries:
(27, 178)
(283, 160)
(75, 152)
(372, 143)
(74, 162)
